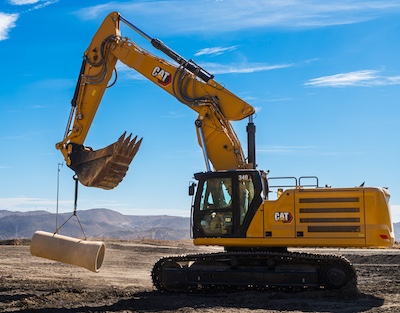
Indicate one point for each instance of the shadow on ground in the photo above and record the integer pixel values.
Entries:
(153, 301)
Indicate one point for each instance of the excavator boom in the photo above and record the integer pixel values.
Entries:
(185, 80)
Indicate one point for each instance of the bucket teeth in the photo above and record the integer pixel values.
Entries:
(104, 168)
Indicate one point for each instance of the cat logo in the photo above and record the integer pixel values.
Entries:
(163, 77)
(285, 217)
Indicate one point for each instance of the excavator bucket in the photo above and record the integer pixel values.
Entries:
(105, 168)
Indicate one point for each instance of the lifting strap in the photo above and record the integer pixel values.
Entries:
(75, 209)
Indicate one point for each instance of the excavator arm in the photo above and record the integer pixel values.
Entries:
(185, 80)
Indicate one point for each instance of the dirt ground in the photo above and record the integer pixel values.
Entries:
(32, 284)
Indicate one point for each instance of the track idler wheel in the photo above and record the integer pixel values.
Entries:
(336, 277)
(167, 276)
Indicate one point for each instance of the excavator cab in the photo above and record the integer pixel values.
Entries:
(226, 201)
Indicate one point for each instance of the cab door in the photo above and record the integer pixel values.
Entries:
(225, 203)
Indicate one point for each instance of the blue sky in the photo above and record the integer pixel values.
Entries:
(324, 77)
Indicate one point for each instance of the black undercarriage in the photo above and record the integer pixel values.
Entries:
(259, 270)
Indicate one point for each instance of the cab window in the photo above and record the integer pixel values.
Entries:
(246, 195)
(216, 202)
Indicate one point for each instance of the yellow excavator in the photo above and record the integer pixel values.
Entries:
(231, 205)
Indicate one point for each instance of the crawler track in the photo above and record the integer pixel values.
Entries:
(259, 270)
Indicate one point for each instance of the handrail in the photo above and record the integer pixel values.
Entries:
(297, 181)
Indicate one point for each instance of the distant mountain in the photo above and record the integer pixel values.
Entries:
(96, 223)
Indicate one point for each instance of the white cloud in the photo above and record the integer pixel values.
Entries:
(54, 84)
(285, 150)
(278, 99)
(215, 50)
(96, 11)
(22, 2)
(216, 68)
(42, 5)
(7, 22)
(172, 115)
(25, 135)
(303, 150)
(358, 78)
(230, 16)
(28, 204)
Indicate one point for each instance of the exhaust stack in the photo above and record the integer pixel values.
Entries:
(251, 142)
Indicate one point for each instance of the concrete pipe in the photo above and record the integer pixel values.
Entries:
(83, 253)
